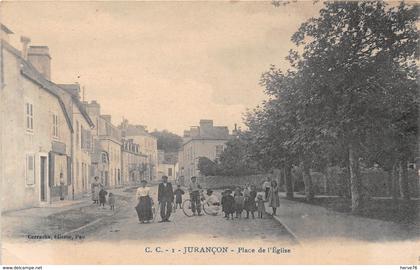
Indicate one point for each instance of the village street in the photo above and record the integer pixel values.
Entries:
(94, 223)
(125, 226)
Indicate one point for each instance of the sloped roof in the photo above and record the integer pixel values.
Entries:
(69, 89)
(30, 72)
(213, 133)
(6, 30)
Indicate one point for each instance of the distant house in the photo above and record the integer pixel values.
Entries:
(205, 140)
(134, 163)
(147, 143)
(35, 146)
(167, 165)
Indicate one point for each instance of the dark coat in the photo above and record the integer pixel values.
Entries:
(178, 195)
(165, 194)
(228, 204)
(102, 195)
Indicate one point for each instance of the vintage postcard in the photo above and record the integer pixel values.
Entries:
(209, 132)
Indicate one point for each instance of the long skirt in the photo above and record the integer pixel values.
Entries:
(144, 209)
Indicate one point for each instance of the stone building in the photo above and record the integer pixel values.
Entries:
(147, 143)
(35, 138)
(134, 163)
(82, 141)
(167, 165)
(107, 141)
(205, 140)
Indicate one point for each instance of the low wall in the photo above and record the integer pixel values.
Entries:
(222, 182)
(334, 182)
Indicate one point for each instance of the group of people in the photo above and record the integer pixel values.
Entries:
(145, 203)
(243, 199)
(246, 199)
(99, 195)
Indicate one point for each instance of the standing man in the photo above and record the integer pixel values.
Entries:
(61, 186)
(165, 198)
(266, 187)
(195, 197)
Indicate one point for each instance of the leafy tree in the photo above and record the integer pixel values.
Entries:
(167, 141)
(353, 78)
(235, 159)
(207, 167)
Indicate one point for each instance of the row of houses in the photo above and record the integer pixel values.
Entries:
(52, 143)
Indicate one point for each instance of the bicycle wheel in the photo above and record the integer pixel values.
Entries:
(187, 208)
(211, 210)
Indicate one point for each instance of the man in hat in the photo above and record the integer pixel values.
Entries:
(165, 198)
(194, 189)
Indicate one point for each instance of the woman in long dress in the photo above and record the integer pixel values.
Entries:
(144, 205)
(95, 191)
(273, 197)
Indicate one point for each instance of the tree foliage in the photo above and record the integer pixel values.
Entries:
(350, 96)
(167, 141)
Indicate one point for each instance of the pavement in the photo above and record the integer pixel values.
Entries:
(198, 228)
(310, 222)
(294, 222)
(97, 224)
(57, 218)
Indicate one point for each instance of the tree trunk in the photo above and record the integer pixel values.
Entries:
(403, 179)
(394, 192)
(355, 180)
(307, 179)
(288, 181)
(389, 183)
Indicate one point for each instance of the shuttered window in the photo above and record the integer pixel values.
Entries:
(29, 116)
(30, 169)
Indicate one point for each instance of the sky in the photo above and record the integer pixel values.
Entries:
(165, 65)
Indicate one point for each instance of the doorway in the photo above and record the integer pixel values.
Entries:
(43, 178)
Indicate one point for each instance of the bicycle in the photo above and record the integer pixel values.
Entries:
(211, 210)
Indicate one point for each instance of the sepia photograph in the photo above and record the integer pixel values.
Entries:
(280, 132)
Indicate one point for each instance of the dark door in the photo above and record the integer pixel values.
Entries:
(43, 179)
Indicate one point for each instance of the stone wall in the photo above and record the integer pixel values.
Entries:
(221, 182)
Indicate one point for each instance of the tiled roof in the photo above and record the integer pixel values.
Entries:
(29, 71)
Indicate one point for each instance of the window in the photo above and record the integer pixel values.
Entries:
(169, 171)
(30, 169)
(77, 133)
(55, 126)
(104, 158)
(219, 150)
(29, 117)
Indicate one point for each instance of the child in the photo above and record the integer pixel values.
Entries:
(102, 197)
(250, 204)
(111, 201)
(212, 203)
(178, 196)
(228, 204)
(223, 202)
(260, 206)
(239, 202)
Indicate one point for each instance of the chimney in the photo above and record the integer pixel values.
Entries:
(40, 58)
(93, 108)
(25, 41)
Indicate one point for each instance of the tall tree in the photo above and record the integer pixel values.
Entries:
(167, 141)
